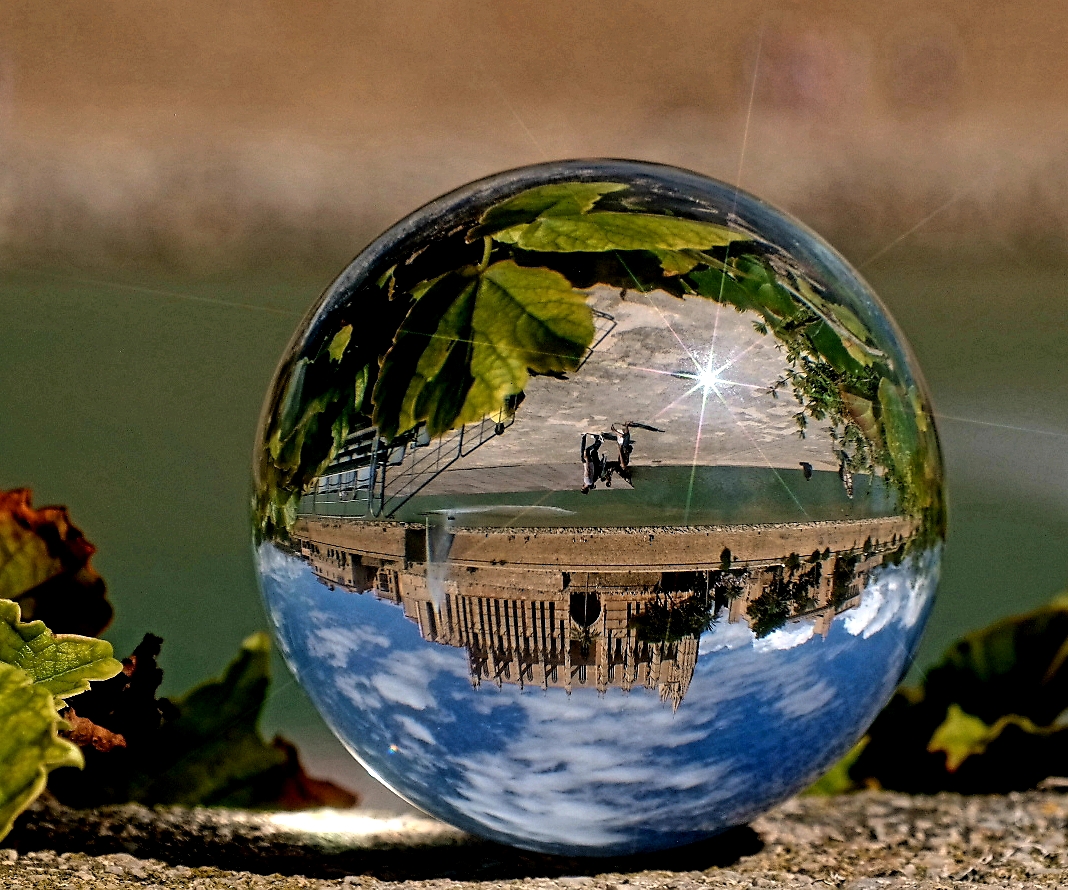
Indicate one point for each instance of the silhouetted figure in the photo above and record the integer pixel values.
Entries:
(845, 474)
(593, 465)
(621, 434)
(806, 468)
(623, 440)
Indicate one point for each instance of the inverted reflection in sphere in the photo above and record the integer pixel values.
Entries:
(598, 507)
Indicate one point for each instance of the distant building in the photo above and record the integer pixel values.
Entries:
(525, 621)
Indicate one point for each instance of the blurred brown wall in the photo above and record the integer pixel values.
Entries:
(211, 133)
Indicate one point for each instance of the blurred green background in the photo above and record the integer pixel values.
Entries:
(179, 183)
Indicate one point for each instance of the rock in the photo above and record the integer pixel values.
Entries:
(867, 841)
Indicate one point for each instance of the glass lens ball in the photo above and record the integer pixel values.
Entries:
(598, 507)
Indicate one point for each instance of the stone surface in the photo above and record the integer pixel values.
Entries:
(867, 841)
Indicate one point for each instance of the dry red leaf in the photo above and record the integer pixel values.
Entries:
(45, 567)
(84, 733)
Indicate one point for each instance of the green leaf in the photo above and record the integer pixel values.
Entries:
(62, 664)
(834, 312)
(214, 745)
(830, 347)
(339, 343)
(720, 287)
(862, 413)
(30, 746)
(212, 753)
(899, 429)
(775, 299)
(360, 387)
(291, 406)
(611, 230)
(962, 735)
(431, 324)
(205, 749)
(471, 342)
(423, 286)
(677, 262)
(386, 278)
(558, 199)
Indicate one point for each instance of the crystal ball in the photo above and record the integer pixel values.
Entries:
(598, 507)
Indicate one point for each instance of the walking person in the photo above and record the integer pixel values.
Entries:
(592, 461)
(625, 444)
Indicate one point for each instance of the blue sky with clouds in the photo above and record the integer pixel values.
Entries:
(589, 773)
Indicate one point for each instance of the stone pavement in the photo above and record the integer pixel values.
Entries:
(867, 841)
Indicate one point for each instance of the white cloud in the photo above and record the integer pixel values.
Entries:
(896, 592)
(275, 565)
(337, 644)
(395, 689)
(359, 691)
(803, 702)
(416, 730)
(567, 774)
(788, 637)
(726, 636)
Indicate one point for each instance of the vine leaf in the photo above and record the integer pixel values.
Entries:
(212, 753)
(961, 734)
(63, 664)
(558, 199)
(834, 312)
(677, 262)
(470, 343)
(612, 230)
(30, 746)
(861, 412)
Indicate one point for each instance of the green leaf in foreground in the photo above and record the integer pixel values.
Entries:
(60, 664)
(471, 342)
(213, 748)
(962, 735)
(677, 262)
(30, 746)
(611, 230)
(557, 199)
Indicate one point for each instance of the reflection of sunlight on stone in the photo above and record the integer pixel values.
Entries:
(363, 829)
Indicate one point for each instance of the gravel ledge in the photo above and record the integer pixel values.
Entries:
(866, 841)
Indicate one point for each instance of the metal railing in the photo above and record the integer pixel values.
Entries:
(371, 477)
